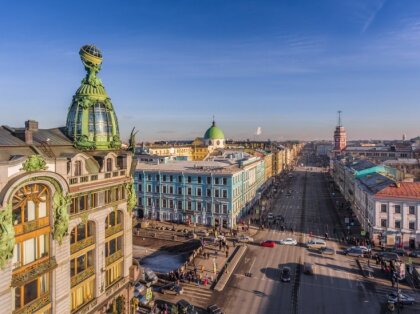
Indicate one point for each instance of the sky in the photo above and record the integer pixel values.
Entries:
(285, 67)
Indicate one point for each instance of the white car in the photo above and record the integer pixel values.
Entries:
(402, 298)
(245, 238)
(288, 241)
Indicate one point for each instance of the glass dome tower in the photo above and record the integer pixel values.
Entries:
(91, 120)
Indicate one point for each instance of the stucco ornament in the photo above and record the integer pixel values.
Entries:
(34, 163)
(7, 235)
(131, 196)
(61, 216)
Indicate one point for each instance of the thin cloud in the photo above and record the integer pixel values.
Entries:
(373, 15)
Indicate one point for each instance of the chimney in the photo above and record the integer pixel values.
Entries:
(28, 137)
(31, 125)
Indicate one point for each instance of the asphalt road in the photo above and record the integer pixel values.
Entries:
(337, 285)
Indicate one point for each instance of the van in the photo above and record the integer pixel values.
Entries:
(316, 244)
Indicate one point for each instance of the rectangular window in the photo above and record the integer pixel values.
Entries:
(164, 203)
(164, 177)
(199, 179)
(171, 204)
(171, 178)
(412, 225)
(78, 168)
(216, 193)
(82, 294)
(164, 189)
(113, 273)
(140, 176)
(140, 188)
(383, 208)
(179, 205)
(189, 191)
(208, 180)
(224, 193)
(171, 190)
(93, 200)
(224, 181)
(199, 206)
(149, 188)
(29, 251)
(180, 179)
(216, 180)
(397, 209)
(189, 179)
(157, 178)
(180, 190)
(411, 210)
(198, 191)
(397, 224)
(149, 177)
(157, 188)
(208, 192)
(224, 206)
(149, 201)
(189, 205)
(383, 223)
(208, 207)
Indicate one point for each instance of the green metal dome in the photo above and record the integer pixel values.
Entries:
(214, 133)
(91, 120)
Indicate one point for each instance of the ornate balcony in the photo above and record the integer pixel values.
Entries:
(112, 230)
(113, 258)
(33, 271)
(81, 244)
(35, 305)
(88, 272)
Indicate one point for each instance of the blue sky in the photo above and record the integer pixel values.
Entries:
(169, 66)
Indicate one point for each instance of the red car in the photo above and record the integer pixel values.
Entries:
(268, 243)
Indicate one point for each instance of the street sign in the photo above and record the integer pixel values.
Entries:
(149, 294)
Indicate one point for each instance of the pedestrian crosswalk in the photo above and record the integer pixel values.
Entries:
(198, 296)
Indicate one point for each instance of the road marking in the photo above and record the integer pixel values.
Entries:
(252, 264)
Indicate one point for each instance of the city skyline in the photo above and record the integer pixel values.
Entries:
(285, 68)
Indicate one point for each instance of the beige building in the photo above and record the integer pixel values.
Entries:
(66, 196)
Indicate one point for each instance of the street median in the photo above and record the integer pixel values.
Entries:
(228, 268)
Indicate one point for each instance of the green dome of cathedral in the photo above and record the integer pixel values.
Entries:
(91, 120)
(214, 133)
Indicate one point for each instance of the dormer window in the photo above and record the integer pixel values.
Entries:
(77, 168)
(108, 165)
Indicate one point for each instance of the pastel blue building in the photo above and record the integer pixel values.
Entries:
(217, 192)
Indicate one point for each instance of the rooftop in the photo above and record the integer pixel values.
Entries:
(401, 190)
(190, 166)
(375, 182)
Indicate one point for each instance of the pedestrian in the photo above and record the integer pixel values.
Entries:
(392, 281)
(227, 253)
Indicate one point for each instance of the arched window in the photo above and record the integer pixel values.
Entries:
(31, 202)
(114, 218)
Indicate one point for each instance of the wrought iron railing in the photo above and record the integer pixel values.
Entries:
(113, 230)
(80, 245)
(35, 305)
(88, 272)
(33, 271)
(113, 258)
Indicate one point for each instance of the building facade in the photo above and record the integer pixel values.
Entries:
(66, 196)
(214, 193)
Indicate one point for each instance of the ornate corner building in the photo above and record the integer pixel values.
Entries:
(66, 196)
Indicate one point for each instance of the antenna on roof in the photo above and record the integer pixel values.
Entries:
(339, 117)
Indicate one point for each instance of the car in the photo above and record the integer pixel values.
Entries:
(316, 244)
(149, 276)
(354, 251)
(139, 287)
(245, 239)
(326, 251)
(308, 269)
(388, 256)
(288, 241)
(285, 274)
(171, 288)
(184, 307)
(400, 251)
(398, 297)
(214, 309)
(364, 248)
(415, 253)
(268, 243)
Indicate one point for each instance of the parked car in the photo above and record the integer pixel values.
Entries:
(400, 251)
(245, 239)
(308, 269)
(288, 241)
(184, 307)
(388, 256)
(402, 298)
(268, 243)
(149, 276)
(214, 309)
(326, 251)
(316, 244)
(354, 251)
(139, 287)
(171, 288)
(285, 274)
(363, 248)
